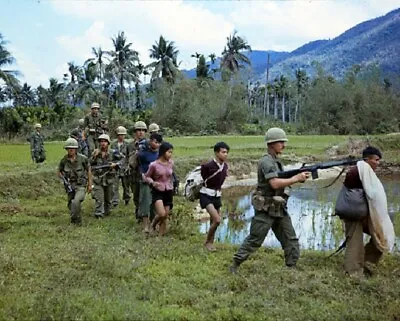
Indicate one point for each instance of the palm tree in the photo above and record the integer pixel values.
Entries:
(6, 59)
(54, 94)
(122, 65)
(232, 57)
(87, 87)
(99, 63)
(301, 84)
(25, 96)
(75, 72)
(166, 55)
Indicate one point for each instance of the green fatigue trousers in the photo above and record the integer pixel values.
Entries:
(357, 256)
(92, 143)
(102, 196)
(134, 186)
(145, 201)
(74, 203)
(125, 188)
(283, 230)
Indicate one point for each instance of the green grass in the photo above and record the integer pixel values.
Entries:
(108, 270)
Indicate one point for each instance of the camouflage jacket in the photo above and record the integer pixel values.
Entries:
(105, 176)
(76, 172)
(95, 125)
(123, 151)
(37, 142)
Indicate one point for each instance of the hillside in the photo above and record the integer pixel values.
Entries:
(373, 42)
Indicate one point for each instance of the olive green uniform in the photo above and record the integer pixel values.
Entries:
(38, 153)
(103, 180)
(95, 125)
(121, 175)
(270, 212)
(76, 173)
(357, 256)
(133, 172)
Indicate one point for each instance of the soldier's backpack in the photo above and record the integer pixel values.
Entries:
(194, 183)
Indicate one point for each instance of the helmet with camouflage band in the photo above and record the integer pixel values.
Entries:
(38, 126)
(140, 125)
(275, 134)
(121, 130)
(105, 137)
(81, 122)
(154, 128)
(95, 105)
(71, 143)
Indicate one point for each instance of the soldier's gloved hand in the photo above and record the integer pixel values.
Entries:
(302, 177)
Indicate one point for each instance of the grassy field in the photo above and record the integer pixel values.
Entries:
(108, 270)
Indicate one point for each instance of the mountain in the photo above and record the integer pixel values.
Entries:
(373, 42)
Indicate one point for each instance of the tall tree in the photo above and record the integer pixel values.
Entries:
(301, 85)
(9, 76)
(123, 64)
(87, 90)
(166, 54)
(99, 63)
(75, 72)
(283, 93)
(232, 57)
(25, 96)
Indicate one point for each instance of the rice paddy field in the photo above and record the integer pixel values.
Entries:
(109, 270)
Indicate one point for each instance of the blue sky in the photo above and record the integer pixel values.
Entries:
(45, 35)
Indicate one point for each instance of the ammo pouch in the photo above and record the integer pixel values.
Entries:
(275, 206)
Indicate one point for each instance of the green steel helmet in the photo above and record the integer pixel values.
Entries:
(75, 133)
(154, 128)
(71, 143)
(121, 130)
(38, 126)
(140, 125)
(105, 137)
(81, 122)
(95, 105)
(275, 134)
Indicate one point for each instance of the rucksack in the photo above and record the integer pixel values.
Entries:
(194, 183)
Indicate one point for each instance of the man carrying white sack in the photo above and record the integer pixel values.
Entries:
(362, 206)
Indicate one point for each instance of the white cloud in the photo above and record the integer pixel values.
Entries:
(190, 25)
(31, 72)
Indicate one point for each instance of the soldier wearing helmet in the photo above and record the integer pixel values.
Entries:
(82, 145)
(75, 171)
(137, 144)
(95, 125)
(36, 140)
(154, 128)
(121, 146)
(269, 202)
(103, 179)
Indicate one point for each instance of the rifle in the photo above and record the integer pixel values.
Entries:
(314, 168)
(68, 187)
(106, 166)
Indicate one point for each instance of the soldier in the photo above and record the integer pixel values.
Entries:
(269, 202)
(138, 143)
(154, 128)
(82, 145)
(121, 146)
(104, 178)
(94, 126)
(75, 171)
(36, 140)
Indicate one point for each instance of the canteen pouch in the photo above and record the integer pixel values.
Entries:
(260, 202)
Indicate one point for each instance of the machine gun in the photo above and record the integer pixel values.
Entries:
(68, 187)
(314, 168)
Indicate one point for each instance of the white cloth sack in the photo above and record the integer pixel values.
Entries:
(380, 225)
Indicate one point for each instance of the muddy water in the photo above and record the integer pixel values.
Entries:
(310, 207)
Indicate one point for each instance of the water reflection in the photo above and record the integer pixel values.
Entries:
(311, 209)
